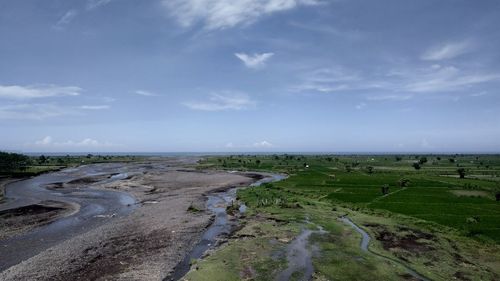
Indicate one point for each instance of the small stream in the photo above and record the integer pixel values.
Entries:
(365, 241)
(216, 203)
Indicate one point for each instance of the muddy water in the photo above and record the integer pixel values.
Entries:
(95, 208)
(365, 241)
(299, 256)
(216, 203)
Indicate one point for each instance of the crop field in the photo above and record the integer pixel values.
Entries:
(438, 215)
(433, 191)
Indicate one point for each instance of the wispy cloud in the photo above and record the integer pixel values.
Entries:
(480, 94)
(85, 143)
(256, 145)
(33, 111)
(393, 97)
(328, 29)
(263, 144)
(447, 51)
(327, 80)
(145, 93)
(66, 19)
(399, 84)
(254, 61)
(41, 91)
(360, 106)
(94, 4)
(223, 101)
(221, 14)
(443, 79)
(42, 111)
(94, 107)
(70, 15)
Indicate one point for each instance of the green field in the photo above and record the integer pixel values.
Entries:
(429, 219)
(431, 192)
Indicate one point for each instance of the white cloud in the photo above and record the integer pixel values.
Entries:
(33, 111)
(87, 142)
(40, 91)
(45, 141)
(399, 84)
(447, 51)
(223, 101)
(480, 94)
(145, 93)
(94, 4)
(221, 14)
(257, 145)
(444, 79)
(263, 144)
(330, 30)
(66, 19)
(255, 60)
(327, 80)
(94, 107)
(394, 97)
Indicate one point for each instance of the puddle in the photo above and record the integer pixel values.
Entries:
(299, 254)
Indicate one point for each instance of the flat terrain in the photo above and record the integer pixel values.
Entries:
(333, 218)
(429, 222)
(144, 244)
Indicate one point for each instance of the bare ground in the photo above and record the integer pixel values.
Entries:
(23, 219)
(145, 245)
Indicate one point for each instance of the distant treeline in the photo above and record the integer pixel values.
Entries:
(13, 162)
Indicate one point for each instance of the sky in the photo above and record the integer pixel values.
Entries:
(250, 76)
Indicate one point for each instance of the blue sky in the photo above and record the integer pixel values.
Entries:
(250, 75)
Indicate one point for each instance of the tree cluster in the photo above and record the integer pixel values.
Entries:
(13, 161)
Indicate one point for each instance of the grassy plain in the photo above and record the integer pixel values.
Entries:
(429, 219)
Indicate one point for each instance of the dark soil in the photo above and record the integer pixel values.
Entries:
(116, 255)
(19, 220)
(90, 180)
(410, 240)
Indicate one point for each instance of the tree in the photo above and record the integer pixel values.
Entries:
(257, 161)
(416, 165)
(403, 182)
(497, 196)
(422, 160)
(385, 189)
(348, 168)
(42, 159)
(369, 169)
(399, 158)
(12, 161)
(461, 172)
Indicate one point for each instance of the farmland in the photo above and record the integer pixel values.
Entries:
(436, 214)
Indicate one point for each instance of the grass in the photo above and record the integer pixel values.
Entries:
(438, 224)
(431, 194)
